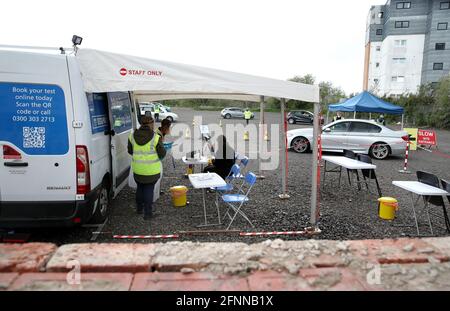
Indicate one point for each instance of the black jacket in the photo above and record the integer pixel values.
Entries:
(142, 136)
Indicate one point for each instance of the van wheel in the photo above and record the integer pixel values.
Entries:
(102, 210)
(170, 119)
(291, 121)
(227, 116)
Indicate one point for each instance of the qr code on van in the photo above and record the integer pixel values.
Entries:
(34, 137)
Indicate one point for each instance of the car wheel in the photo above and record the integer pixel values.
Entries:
(379, 151)
(103, 204)
(291, 121)
(227, 116)
(170, 119)
(300, 144)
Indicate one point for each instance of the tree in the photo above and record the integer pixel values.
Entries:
(329, 94)
(442, 103)
(306, 79)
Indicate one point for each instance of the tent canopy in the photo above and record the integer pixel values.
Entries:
(366, 102)
(154, 79)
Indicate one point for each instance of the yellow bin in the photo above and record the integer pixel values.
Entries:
(387, 208)
(179, 197)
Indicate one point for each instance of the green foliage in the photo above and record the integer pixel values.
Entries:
(429, 107)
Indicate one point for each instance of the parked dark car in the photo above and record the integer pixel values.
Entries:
(302, 116)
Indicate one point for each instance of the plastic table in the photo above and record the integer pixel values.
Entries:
(205, 181)
(345, 162)
(421, 190)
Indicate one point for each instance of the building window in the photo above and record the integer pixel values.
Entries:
(403, 5)
(402, 24)
(445, 5)
(440, 46)
(380, 14)
(400, 42)
(442, 26)
(377, 65)
(378, 48)
(379, 32)
(398, 79)
(438, 66)
(399, 60)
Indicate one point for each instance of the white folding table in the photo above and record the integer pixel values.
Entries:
(205, 181)
(202, 160)
(345, 162)
(421, 190)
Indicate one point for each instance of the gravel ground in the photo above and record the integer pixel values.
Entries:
(345, 213)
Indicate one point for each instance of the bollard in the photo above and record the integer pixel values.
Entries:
(405, 165)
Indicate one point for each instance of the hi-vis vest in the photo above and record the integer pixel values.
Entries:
(145, 160)
(247, 114)
(157, 110)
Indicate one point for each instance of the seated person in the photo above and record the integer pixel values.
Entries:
(224, 158)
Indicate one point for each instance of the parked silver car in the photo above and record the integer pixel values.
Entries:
(233, 112)
(360, 136)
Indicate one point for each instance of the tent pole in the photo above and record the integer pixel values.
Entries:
(283, 195)
(315, 166)
(261, 135)
(403, 120)
(328, 113)
(370, 115)
(354, 115)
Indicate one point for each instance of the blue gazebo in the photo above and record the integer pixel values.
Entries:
(366, 102)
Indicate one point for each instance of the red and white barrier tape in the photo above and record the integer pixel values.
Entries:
(272, 233)
(161, 236)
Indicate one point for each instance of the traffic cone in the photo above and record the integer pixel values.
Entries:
(266, 136)
(188, 134)
(193, 122)
(246, 135)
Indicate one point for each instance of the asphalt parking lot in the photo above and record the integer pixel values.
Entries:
(345, 212)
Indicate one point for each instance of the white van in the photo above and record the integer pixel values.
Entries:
(64, 152)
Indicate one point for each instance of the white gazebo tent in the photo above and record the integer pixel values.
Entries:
(162, 80)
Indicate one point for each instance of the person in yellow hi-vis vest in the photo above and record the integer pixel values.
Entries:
(247, 115)
(147, 150)
(157, 111)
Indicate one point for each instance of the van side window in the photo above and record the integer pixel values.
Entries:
(98, 111)
(120, 104)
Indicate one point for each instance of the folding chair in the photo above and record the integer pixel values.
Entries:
(243, 162)
(235, 201)
(369, 173)
(351, 155)
(432, 180)
(231, 177)
(446, 187)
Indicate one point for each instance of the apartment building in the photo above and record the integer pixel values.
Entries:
(407, 44)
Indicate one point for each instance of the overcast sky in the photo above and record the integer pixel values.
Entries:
(277, 39)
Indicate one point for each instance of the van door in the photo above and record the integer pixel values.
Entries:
(121, 124)
(36, 134)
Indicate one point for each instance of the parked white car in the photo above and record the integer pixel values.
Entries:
(360, 136)
(163, 113)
